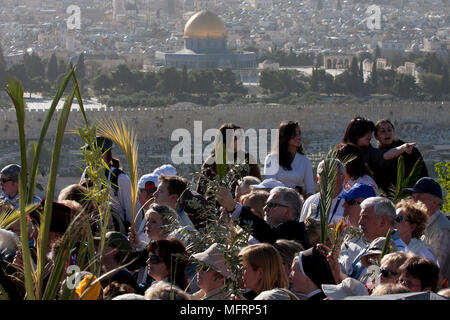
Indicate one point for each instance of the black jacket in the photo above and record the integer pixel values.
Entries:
(385, 175)
(264, 232)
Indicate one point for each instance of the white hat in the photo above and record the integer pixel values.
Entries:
(214, 257)
(148, 181)
(267, 184)
(348, 287)
(129, 296)
(166, 170)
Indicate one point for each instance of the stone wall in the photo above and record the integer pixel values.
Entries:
(322, 128)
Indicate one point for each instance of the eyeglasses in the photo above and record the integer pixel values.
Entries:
(154, 259)
(386, 272)
(399, 219)
(5, 180)
(271, 205)
(351, 202)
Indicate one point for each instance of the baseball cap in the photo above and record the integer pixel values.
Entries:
(359, 190)
(12, 171)
(267, 184)
(426, 185)
(166, 170)
(148, 181)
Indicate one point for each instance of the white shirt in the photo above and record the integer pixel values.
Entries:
(420, 248)
(311, 206)
(300, 175)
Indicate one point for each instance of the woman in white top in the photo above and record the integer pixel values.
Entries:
(288, 163)
(410, 222)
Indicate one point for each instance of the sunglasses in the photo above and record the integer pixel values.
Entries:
(271, 205)
(5, 180)
(399, 219)
(386, 272)
(351, 202)
(154, 259)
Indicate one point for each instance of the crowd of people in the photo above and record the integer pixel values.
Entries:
(152, 255)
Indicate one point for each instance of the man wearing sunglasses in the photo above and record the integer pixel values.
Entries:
(9, 183)
(282, 210)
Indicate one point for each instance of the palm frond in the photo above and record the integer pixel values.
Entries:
(15, 92)
(127, 141)
(46, 219)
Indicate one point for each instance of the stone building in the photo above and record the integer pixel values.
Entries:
(205, 47)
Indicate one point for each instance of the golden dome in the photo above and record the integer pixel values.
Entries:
(205, 24)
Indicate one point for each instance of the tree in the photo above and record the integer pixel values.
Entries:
(149, 82)
(431, 83)
(270, 81)
(397, 59)
(374, 77)
(63, 67)
(122, 78)
(102, 83)
(52, 69)
(445, 84)
(80, 69)
(201, 81)
(354, 83)
(169, 82)
(315, 80)
(377, 52)
(184, 79)
(33, 65)
(404, 85)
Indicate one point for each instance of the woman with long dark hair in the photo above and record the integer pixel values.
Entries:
(359, 132)
(287, 163)
(164, 265)
(209, 166)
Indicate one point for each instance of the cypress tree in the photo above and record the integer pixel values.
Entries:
(52, 69)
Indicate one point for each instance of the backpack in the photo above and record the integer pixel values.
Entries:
(114, 178)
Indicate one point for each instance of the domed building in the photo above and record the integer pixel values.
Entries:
(205, 46)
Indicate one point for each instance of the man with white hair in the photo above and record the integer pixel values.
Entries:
(282, 210)
(377, 218)
(311, 206)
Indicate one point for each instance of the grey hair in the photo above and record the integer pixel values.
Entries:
(12, 171)
(339, 165)
(8, 240)
(163, 290)
(291, 198)
(247, 181)
(381, 207)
